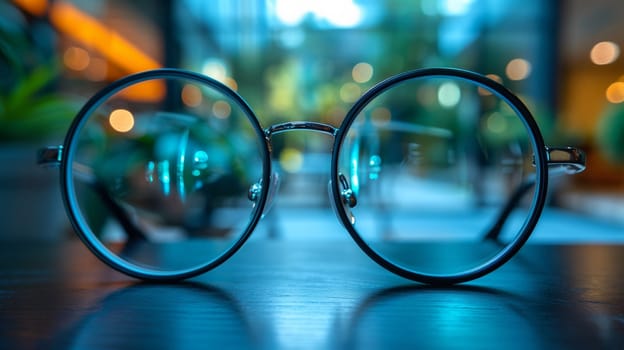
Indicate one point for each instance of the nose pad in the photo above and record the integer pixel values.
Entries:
(346, 194)
(347, 197)
(256, 189)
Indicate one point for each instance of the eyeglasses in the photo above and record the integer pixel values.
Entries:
(439, 175)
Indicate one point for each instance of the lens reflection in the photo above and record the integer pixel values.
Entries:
(432, 162)
(177, 170)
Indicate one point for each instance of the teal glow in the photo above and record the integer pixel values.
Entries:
(180, 165)
(165, 177)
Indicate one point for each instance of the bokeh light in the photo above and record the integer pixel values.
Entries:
(291, 159)
(604, 52)
(336, 13)
(362, 72)
(615, 92)
(231, 83)
(215, 69)
(76, 58)
(221, 109)
(350, 92)
(449, 95)
(518, 69)
(121, 120)
(191, 95)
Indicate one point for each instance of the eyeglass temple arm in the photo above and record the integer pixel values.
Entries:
(51, 157)
(560, 161)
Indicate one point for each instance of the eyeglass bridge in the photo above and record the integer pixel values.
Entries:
(300, 125)
(347, 195)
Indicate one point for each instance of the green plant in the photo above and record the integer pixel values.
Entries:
(30, 108)
(610, 134)
(28, 112)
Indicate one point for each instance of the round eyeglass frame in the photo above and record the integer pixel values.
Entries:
(98, 249)
(67, 186)
(540, 160)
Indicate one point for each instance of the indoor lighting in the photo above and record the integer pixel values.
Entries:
(337, 13)
(362, 72)
(121, 120)
(518, 69)
(191, 95)
(615, 92)
(604, 52)
(449, 95)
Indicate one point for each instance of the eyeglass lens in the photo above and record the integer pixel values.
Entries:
(430, 163)
(180, 168)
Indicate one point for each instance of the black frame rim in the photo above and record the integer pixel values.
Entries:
(539, 199)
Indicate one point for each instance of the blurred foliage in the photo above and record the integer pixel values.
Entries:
(610, 133)
(29, 112)
(30, 108)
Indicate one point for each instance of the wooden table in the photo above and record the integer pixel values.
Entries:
(321, 294)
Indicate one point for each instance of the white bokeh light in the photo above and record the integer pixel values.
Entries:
(337, 13)
(454, 7)
(449, 95)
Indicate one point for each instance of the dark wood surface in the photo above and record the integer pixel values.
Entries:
(299, 294)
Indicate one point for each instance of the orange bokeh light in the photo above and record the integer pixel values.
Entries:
(34, 7)
(191, 95)
(615, 92)
(70, 21)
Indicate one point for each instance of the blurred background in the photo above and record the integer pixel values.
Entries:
(310, 60)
